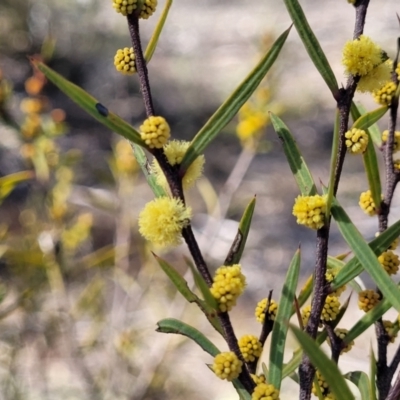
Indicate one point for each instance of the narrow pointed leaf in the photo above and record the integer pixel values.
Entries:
(297, 164)
(144, 165)
(369, 118)
(360, 379)
(327, 367)
(236, 251)
(280, 329)
(88, 103)
(378, 245)
(365, 255)
(157, 32)
(242, 392)
(233, 104)
(171, 325)
(369, 157)
(357, 110)
(311, 44)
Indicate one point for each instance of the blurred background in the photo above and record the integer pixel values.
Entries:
(80, 292)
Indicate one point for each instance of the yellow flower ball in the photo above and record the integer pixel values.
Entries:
(310, 211)
(305, 314)
(125, 7)
(341, 333)
(390, 330)
(331, 308)
(227, 366)
(264, 391)
(162, 220)
(148, 9)
(390, 262)
(174, 150)
(367, 203)
(323, 385)
(228, 285)
(368, 299)
(263, 308)
(361, 56)
(385, 94)
(258, 378)
(396, 143)
(250, 347)
(356, 141)
(330, 276)
(155, 132)
(124, 61)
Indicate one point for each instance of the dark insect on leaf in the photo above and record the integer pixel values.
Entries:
(102, 110)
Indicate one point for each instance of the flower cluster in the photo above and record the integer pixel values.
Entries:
(390, 262)
(323, 385)
(264, 391)
(155, 132)
(250, 347)
(330, 276)
(368, 299)
(227, 366)
(367, 203)
(391, 330)
(174, 150)
(258, 378)
(331, 308)
(305, 314)
(396, 141)
(356, 141)
(126, 7)
(162, 220)
(124, 61)
(341, 334)
(310, 211)
(228, 285)
(264, 308)
(385, 94)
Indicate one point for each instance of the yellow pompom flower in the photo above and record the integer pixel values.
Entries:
(258, 378)
(126, 7)
(310, 211)
(124, 61)
(264, 391)
(375, 79)
(263, 307)
(385, 94)
(155, 132)
(367, 203)
(305, 314)
(368, 299)
(356, 141)
(331, 308)
(227, 366)
(396, 142)
(341, 333)
(361, 56)
(323, 385)
(228, 285)
(390, 330)
(174, 150)
(390, 262)
(250, 347)
(330, 276)
(162, 220)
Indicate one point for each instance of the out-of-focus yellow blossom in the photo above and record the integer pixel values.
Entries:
(227, 366)
(174, 150)
(375, 79)
(356, 141)
(155, 132)
(162, 220)
(310, 211)
(72, 237)
(125, 161)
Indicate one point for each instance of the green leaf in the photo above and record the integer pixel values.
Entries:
(171, 325)
(360, 379)
(365, 255)
(296, 161)
(88, 103)
(369, 157)
(144, 165)
(357, 110)
(8, 182)
(232, 105)
(151, 47)
(354, 267)
(242, 392)
(280, 329)
(366, 120)
(327, 367)
(237, 248)
(312, 45)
